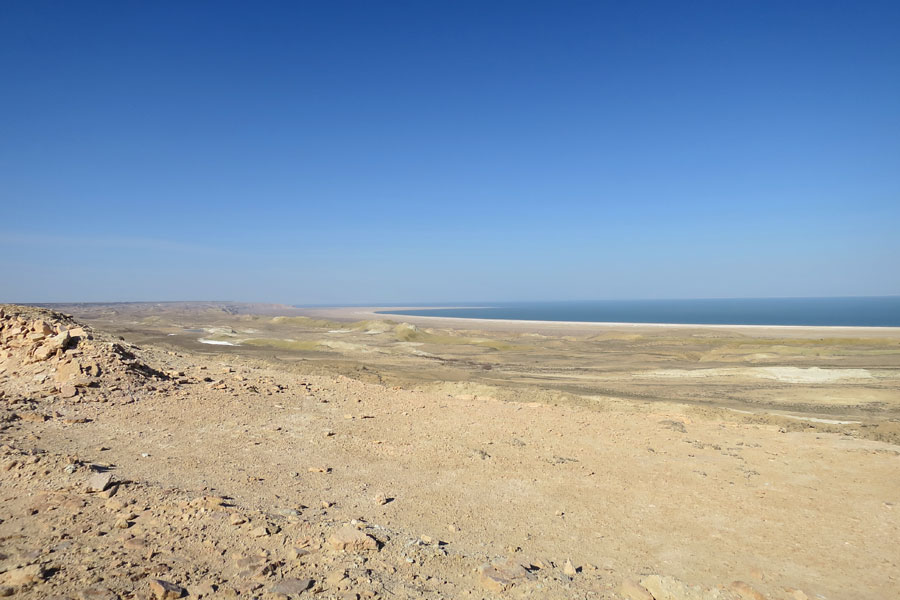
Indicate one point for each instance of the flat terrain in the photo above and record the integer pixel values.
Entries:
(747, 463)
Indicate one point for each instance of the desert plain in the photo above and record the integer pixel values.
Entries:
(163, 450)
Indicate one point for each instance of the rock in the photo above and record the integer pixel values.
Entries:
(59, 341)
(110, 491)
(97, 593)
(351, 539)
(498, 576)
(23, 576)
(251, 563)
(98, 482)
(291, 587)
(204, 590)
(236, 519)
(746, 591)
(569, 569)
(33, 417)
(68, 391)
(44, 352)
(135, 544)
(673, 425)
(632, 590)
(670, 588)
(209, 502)
(164, 590)
(42, 326)
(381, 499)
(260, 531)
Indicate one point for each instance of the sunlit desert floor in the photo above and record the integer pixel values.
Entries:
(659, 457)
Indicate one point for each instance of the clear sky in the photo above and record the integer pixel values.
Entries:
(386, 152)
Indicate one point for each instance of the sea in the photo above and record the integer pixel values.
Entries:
(867, 311)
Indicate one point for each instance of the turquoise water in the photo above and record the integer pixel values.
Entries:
(876, 311)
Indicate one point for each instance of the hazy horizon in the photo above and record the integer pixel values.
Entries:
(328, 154)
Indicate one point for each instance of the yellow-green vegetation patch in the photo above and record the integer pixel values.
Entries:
(410, 333)
(310, 322)
(307, 345)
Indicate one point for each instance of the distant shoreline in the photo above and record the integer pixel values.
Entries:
(359, 313)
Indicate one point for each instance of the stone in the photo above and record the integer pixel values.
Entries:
(260, 531)
(165, 590)
(42, 326)
(23, 576)
(746, 591)
(135, 544)
(59, 341)
(350, 539)
(632, 590)
(44, 352)
(98, 482)
(569, 569)
(110, 491)
(209, 502)
(671, 588)
(381, 499)
(236, 519)
(97, 593)
(291, 587)
(498, 576)
(204, 590)
(673, 425)
(68, 391)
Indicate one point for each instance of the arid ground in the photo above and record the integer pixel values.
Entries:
(260, 451)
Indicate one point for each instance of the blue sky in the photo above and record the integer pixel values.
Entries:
(344, 152)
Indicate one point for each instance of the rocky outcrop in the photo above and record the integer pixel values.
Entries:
(44, 353)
